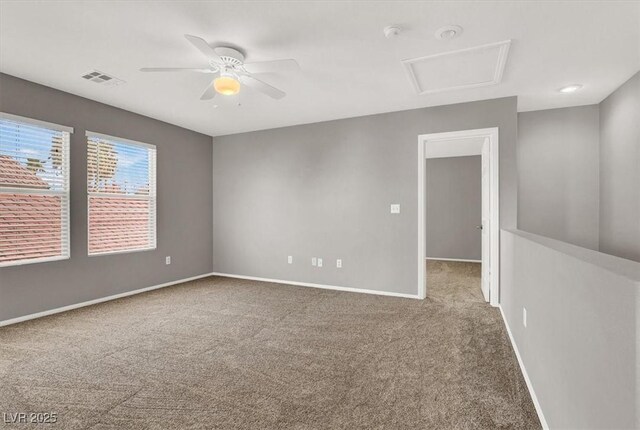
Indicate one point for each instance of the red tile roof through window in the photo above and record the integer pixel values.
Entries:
(31, 227)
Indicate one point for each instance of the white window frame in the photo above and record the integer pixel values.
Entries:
(65, 194)
(152, 198)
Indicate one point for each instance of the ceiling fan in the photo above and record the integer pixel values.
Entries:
(230, 71)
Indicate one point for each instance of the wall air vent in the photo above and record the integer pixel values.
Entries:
(467, 68)
(102, 78)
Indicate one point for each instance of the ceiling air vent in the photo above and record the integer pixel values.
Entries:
(102, 78)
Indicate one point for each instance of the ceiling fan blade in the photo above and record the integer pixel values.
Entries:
(202, 46)
(209, 93)
(263, 87)
(272, 66)
(175, 69)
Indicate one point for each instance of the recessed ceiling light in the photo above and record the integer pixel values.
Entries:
(448, 32)
(570, 88)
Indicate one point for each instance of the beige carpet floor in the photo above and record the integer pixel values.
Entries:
(234, 354)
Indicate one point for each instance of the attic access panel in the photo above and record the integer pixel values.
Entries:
(466, 68)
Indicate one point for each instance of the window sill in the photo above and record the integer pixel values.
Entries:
(126, 251)
(33, 261)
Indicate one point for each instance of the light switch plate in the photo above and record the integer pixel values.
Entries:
(314, 261)
(167, 260)
(319, 262)
(290, 259)
(395, 208)
(339, 263)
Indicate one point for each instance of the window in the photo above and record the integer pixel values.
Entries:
(34, 191)
(121, 186)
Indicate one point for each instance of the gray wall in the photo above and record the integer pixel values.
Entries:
(620, 171)
(454, 207)
(184, 193)
(579, 346)
(324, 190)
(558, 165)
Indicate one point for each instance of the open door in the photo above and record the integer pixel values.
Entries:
(482, 142)
(485, 227)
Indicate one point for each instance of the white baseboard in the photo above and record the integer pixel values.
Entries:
(322, 286)
(454, 259)
(100, 300)
(534, 398)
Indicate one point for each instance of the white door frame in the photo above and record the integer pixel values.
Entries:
(494, 159)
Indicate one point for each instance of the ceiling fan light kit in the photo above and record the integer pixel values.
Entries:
(230, 70)
(226, 85)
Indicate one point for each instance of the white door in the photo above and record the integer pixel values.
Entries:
(485, 227)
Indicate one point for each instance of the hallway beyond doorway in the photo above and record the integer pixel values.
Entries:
(454, 282)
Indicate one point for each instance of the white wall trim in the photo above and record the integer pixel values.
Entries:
(422, 223)
(100, 300)
(464, 147)
(534, 398)
(322, 286)
(453, 259)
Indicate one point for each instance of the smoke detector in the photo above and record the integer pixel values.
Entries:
(392, 31)
(448, 32)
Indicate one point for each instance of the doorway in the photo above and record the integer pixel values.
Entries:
(483, 142)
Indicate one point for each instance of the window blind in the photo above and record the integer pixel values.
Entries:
(34, 191)
(121, 186)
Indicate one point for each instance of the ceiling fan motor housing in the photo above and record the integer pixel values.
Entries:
(230, 56)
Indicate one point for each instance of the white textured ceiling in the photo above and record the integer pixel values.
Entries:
(348, 67)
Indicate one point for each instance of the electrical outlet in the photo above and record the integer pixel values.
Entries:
(290, 259)
(167, 260)
(314, 261)
(339, 263)
(319, 262)
(395, 208)
(524, 317)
